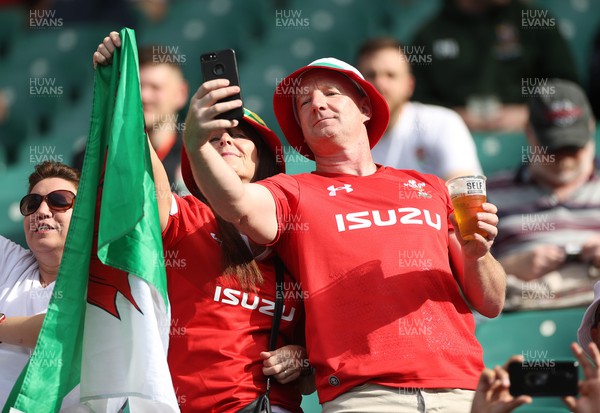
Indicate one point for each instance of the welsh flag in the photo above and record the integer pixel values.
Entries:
(107, 325)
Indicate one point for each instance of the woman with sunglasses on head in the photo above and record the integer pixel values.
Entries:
(27, 276)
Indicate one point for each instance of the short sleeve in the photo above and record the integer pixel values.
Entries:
(286, 193)
(186, 216)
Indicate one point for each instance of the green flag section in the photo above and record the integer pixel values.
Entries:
(108, 335)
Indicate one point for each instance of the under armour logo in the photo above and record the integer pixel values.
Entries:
(332, 189)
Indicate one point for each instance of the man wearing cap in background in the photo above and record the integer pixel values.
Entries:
(378, 259)
(549, 240)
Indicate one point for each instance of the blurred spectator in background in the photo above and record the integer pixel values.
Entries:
(430, 139)
(488, 57)
(549, 239)
(164, 94)
(154, 10)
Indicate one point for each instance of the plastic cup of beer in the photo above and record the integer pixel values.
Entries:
(467, 194)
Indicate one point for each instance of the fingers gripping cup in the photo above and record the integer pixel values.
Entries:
(467, 194)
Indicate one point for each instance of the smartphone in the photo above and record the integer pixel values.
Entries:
(544, 378)
(222, 64)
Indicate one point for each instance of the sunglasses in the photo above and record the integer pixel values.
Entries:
(61, 201)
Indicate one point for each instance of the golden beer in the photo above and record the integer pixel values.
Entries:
(467, 194)
(466, 208)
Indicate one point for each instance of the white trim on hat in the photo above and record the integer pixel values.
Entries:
(336, 63)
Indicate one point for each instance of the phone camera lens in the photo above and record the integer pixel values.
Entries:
(219, 69)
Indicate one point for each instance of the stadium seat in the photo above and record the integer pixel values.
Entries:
(194, 27)
(48, 73)
(405, 18)
(505, 151)
(23, 117)
(2, 159)
(537, 335)
(499, 151)
(57, 148)
(14, 180)
(329, 28)
(13, 21)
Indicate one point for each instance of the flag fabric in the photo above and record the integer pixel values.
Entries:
(111, 334)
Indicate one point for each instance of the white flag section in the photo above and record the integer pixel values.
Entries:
(126, 359)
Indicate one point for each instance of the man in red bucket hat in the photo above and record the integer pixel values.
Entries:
(388, 282)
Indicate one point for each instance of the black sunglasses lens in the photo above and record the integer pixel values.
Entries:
(60, 200)
(30, 203)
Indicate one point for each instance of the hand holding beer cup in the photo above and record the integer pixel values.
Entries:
(467, 194)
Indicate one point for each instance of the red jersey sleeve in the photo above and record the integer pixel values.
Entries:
(286, 193)
(191, 214)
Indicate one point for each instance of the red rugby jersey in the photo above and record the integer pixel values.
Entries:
(382, 305)
(218, 330)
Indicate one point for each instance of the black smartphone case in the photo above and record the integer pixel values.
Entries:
(222, 64)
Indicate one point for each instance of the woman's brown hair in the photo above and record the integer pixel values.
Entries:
(49, 169)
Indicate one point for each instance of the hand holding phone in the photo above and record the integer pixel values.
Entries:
(222, 64)
(543, 378)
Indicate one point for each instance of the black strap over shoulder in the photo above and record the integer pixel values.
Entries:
(279, 270)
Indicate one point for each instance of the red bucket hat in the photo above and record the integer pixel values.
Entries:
(253, 120)
(283, 104)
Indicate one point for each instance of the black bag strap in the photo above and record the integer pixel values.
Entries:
(279, 270)
(277, 312)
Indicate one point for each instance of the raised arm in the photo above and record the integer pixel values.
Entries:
(481, 278)
(250, 207)
(103, 56)
(162, 186)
